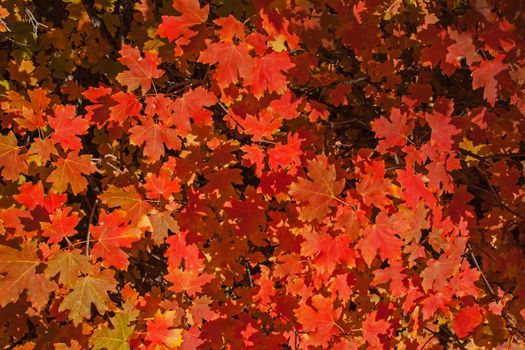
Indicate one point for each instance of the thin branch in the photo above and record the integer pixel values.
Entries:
(97, 22)
(91, 215)
(493, 156)
(231, 116)
(480, 270)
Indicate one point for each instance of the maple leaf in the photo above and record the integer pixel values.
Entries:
(100, 111)
(414, 188)
(467, 320)
(393, 273)
(440, 123)
(127, 106)
(487, 76)
(319, 193)
(159, 105)
(392, 132)
(463, 47)
(319, 320)
(381, 237)
(436, 273)
(230, 28)
(90, 289)
(373, 328)
(115, 338)
(68, 265)
(154, 137)
(112, 233)
(161, 223)
(62, 225)
(178, 28)
(161, 185)
(178, 250)
(31, 195)
(254, 155)
(287, 155)
(19, 272)
(67, 127)
(286, 106)
(331, 251)
(190, 105)
(188, 281)
(12, 163)
(43, 148)
(200, 310)
(234, 62)
(141, 71)
(129, 199)
(267, 74)
(373, 187)
(262, 126)
(69, 172)
(162, 333)
(33, 111)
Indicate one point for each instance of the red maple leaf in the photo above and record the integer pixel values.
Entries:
(160, 105)
(62, 225)
(178, 28)
(100, 111)
(261, 126)
(141, 71)
(381, 237)
(154, 136)
(67, 125)
(440, 123)
(190, 105)
(286, 155)
(374, 328)
(392, 132)
(230, 28)
(127, 106)
(488, 76)
(467, 320)
(189, 281)
(30, 195)
(320, 193)
(267, 74)
(111, 233)
(328, 251)
(414, 188)
(161, 185)
(319, 320)
(234, 62)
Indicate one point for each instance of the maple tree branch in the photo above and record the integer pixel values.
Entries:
(493, 156)
(97, 22)
(480, 270)
(481, 168)
(90, 220)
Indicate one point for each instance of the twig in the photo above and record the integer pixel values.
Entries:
(493, 156)
(231, 116)
(480, 270)
(3, 23)
(249, 273)
(91, 215)
(34, 21)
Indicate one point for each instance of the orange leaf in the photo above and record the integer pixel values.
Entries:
(69, 171)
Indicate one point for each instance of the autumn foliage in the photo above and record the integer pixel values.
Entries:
(237, 174)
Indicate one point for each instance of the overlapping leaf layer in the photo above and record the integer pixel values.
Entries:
(314, 174)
